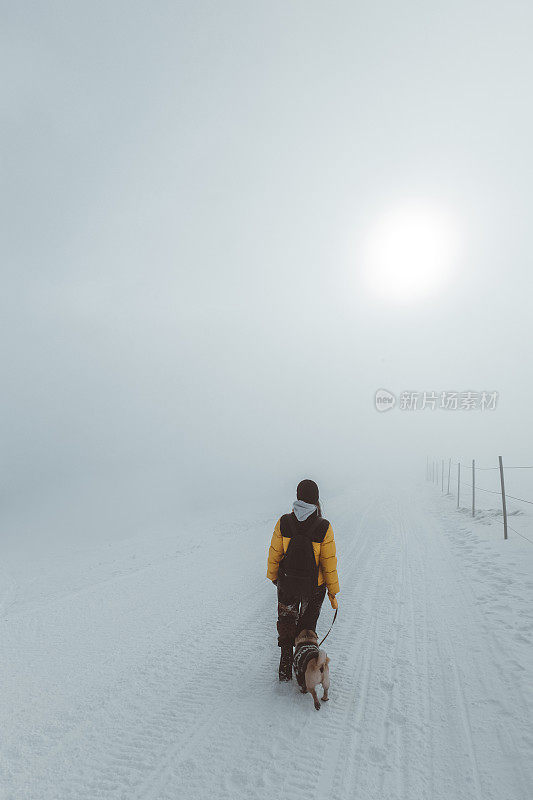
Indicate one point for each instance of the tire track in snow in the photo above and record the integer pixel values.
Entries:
(367, 772)
(400, 587)
(343, 751)
(159, 734)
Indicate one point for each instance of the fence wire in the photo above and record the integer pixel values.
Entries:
(520, 534)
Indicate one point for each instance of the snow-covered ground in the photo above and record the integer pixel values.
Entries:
(147, 667)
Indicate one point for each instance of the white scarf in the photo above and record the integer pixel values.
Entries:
(303, 509)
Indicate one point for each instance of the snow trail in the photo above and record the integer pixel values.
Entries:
(156, 677)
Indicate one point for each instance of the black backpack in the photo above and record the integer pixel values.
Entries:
(298, 570)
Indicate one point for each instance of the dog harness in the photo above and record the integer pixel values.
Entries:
(302, 656)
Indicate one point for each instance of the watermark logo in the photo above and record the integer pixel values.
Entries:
(384, 400)
(442, 401)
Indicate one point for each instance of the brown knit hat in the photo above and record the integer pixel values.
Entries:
(307, 491)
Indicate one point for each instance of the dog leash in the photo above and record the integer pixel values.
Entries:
(331, 626)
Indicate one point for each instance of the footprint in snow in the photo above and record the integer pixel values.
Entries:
(238, 777)
(401, 719)
(377, 755)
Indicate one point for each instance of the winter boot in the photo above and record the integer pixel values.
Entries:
(285, 663)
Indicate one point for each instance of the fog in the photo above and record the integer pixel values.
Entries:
(187, 190)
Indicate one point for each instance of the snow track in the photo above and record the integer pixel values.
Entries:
(159, 682)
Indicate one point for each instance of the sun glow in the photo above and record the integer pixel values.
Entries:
(409, 253)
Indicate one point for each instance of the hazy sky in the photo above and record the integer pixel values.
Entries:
(187, 188)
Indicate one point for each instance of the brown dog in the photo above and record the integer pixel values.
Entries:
(311, 665)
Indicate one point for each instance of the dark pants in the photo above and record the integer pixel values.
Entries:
(297, 614)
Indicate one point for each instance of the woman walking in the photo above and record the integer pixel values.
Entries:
(302, 562)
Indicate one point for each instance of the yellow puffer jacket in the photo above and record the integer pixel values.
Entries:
(325, 555)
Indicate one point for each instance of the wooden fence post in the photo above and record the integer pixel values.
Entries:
(504, 506)
(449, 470)
(458, 481)
(473, 488)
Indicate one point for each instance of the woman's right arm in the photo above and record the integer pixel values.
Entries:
(275, 553)
(328, 563)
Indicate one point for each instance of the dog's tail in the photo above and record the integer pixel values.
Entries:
(322, 660)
